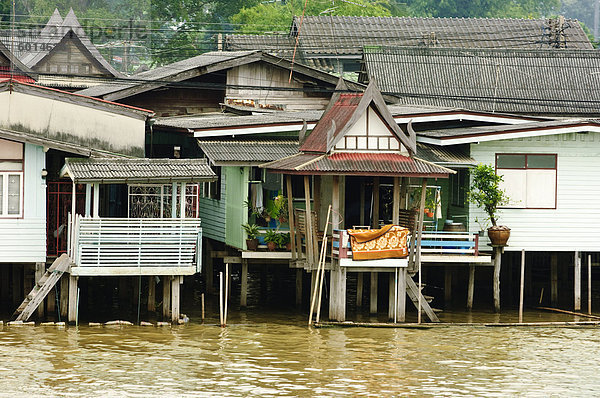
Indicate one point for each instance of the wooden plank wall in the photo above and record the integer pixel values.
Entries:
(213, 213)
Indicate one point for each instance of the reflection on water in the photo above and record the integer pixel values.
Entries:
(268, 355)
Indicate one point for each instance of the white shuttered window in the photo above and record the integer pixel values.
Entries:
(11, 179)
(529, 179)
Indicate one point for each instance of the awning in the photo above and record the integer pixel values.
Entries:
(139, 170)
(247, 152)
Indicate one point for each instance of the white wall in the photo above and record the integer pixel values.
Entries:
(575, 223)
(24, 240)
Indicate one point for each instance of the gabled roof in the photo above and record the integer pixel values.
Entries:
(343, 112)
(58, 30)
(534, 82)
(251, 151)
(202, 64)
(82, 170)
(19, 68)
(341, 35)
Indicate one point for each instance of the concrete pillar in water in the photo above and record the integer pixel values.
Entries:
(373, 296)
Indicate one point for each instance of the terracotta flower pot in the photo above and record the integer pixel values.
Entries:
(429, 214)
(288, 246)
(271, 246)
(499, 235)
(252, 244)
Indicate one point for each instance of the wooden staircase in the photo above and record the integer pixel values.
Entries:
(413, 292)
(42, 288)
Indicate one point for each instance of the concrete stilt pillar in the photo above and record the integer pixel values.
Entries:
(577, 282)
(40, 269)
(64, 296)
(554, 279)
(402, 275)
(176, 282)
(471, 287)
(73, 280)
(391, 295)
(373, 296)
(166, 305)
(496, 278)
(337, 295)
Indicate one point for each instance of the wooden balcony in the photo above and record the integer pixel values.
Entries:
(136, 246)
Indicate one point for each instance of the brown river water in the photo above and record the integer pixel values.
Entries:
(275, 354)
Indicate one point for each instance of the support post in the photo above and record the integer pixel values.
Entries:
(496, 281)
(375, 204)
(4, 285)
(359, 289)
(88, 200)
(309, 238)
(317, 204)
(392, 292)
(577, 282)
(522, 286)
(96, 200)
(299, 276)
(471, 287)
(589, 284)
(151, 294)
(373, 295)
(208, 267)
(291, 221)
(64, 296)
(403, 191)
(175, 299)
(40, 270)
(174, 200)
(396, 202)
(447, 286)
(554, 279)
(418, 248)
(402, 275)
(362, 203)
(73, 298)
(244, 284)
(337, 297)
(166, 307)
(182, 201)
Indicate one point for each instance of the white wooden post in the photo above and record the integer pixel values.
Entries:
(577, 281)
(88, 200)
(182, 201)
(96, 200)
(522, 286)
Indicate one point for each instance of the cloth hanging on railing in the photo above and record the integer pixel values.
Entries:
(256, 196)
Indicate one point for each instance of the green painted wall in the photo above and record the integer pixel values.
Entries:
(236, 213)
(212, 213)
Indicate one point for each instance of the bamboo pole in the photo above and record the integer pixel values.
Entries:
(589, 283)
(226, 294)
(202, 307)
(420, 234)
(221, 298)
(322, 262)
(569, 312)
(522, 286)
(313, 299)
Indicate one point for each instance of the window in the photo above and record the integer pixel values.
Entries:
(212, 190)
(11, 178)
(529, 179)
(458, 186)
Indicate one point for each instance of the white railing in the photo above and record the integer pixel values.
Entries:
(137, 242)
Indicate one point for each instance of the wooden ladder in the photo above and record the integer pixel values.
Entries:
(42, 288)
(413, 292)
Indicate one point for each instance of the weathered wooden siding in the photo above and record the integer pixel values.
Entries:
(237, 213)
(213, 213)
(24, 239)
(263, 75)
(575, 223)
(69, 57)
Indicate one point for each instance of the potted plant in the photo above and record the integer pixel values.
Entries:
(271, 239)
(252, 233)
(486, 193)
(285, 241)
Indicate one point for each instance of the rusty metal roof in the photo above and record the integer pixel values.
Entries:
(455, 156)
(253, 151)
(346, 163)
(137, 170)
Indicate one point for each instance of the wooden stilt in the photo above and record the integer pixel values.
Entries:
(396, 202)
(471, 287)
(313, 282)
(589, 264)
(447, 286)
(402, 276)
(359, 289)
(496, 278)
(418, 248)
(554, 278)
(392, 296)
(17, 292)
(40, 270)
(73, 298)
(317, 202)
(375, 216)
(4, 285)
(175, 297)
(309, 239)
(244, 284)
(208, 267)
(361, 218)
(166, 306)
(291, 221)
(577, 282)
(373, 295)
(299, 276)
(522, 286)
(64, 296)
(151, 294)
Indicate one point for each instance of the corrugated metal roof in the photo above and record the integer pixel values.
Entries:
(452, 155)
(335, 117)
(510, 81)
(251, 151)
(138, 170)
(347, 163)
(347, 34)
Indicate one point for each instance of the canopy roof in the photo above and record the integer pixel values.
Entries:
(251, 151)
(86, 170)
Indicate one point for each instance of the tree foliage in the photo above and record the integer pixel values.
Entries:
(485, 191)
(484, 8)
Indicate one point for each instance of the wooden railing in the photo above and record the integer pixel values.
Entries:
(137, 242)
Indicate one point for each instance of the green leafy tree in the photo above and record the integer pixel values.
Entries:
(485, 191)
(484, 8)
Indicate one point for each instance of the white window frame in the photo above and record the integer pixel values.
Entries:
(527, 180)
(4, 209)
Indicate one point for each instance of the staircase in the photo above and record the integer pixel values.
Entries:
(413, 292)
(42, 288)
